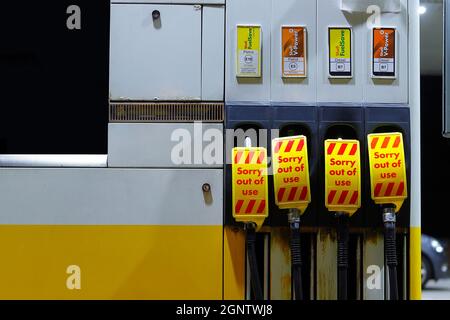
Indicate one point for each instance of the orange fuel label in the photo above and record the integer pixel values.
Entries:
(293, 42)
(384, 52)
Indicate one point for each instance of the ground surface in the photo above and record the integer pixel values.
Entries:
(437, 290)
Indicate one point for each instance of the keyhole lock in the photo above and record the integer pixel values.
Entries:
(156, 14)
(206, 187)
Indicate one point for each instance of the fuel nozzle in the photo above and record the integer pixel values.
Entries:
(293, 192)
(342, 254)
(252, 260)
(390, 248)
(296, 253)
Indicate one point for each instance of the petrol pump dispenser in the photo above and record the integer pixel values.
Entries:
(293, 192)
(250, 200)
(389, 190)
(342, 196)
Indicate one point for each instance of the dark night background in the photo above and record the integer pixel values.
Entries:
(54, 81)
(54, 94)
(435, 162)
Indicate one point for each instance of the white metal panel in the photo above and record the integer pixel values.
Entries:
(339, 90)
(213, 53)
(140, 145)
(388, 90)
(294, 12)
(54, 160)
(110, 197)
(247, 12)
(155, 60)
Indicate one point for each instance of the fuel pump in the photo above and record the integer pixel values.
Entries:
(389, 190)
(250, 200)
(342, 196)
(292, 191)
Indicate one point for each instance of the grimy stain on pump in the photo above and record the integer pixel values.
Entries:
(280, 270)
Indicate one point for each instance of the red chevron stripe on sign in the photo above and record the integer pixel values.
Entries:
(331, 196)
(261, 157)
(343, 149)
(300, 146)
(281, 194)
(385, 142)
(293, 194)
(331, 148)
(289, 145)
(278, 146)
(250, 157)
(238, 156)
(401, 189)
(304, 194)
(390, 189)
(343, 197)
(354, 198)
(239, 205)
(250, 207)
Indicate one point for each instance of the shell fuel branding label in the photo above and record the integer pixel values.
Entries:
(387, 169)
(340, 52)
(293, 41)
(249, 185)
(291, 173)
(342, 176)
(248, 51)
(383, 44)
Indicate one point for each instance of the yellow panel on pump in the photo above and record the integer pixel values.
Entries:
(111, 262)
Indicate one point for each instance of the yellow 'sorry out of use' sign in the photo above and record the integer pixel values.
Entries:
(249, 185)
(342, 176)
(291, 173)
(387, 168)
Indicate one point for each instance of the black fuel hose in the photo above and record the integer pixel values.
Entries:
(390, 251)
(253, 263)
(296, 260)
(342, 255)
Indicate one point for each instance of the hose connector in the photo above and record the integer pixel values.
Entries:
(343, 239)
(390, 248)
(389, 220)
(389, 214)
(294, 223)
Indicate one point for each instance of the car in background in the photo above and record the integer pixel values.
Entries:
(434, 260)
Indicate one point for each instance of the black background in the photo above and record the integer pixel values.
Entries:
(435, 162)
(54, 81)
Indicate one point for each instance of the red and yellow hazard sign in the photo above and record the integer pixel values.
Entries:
(249, 185)
(291, 173)
(387, 168)
(342, 176)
